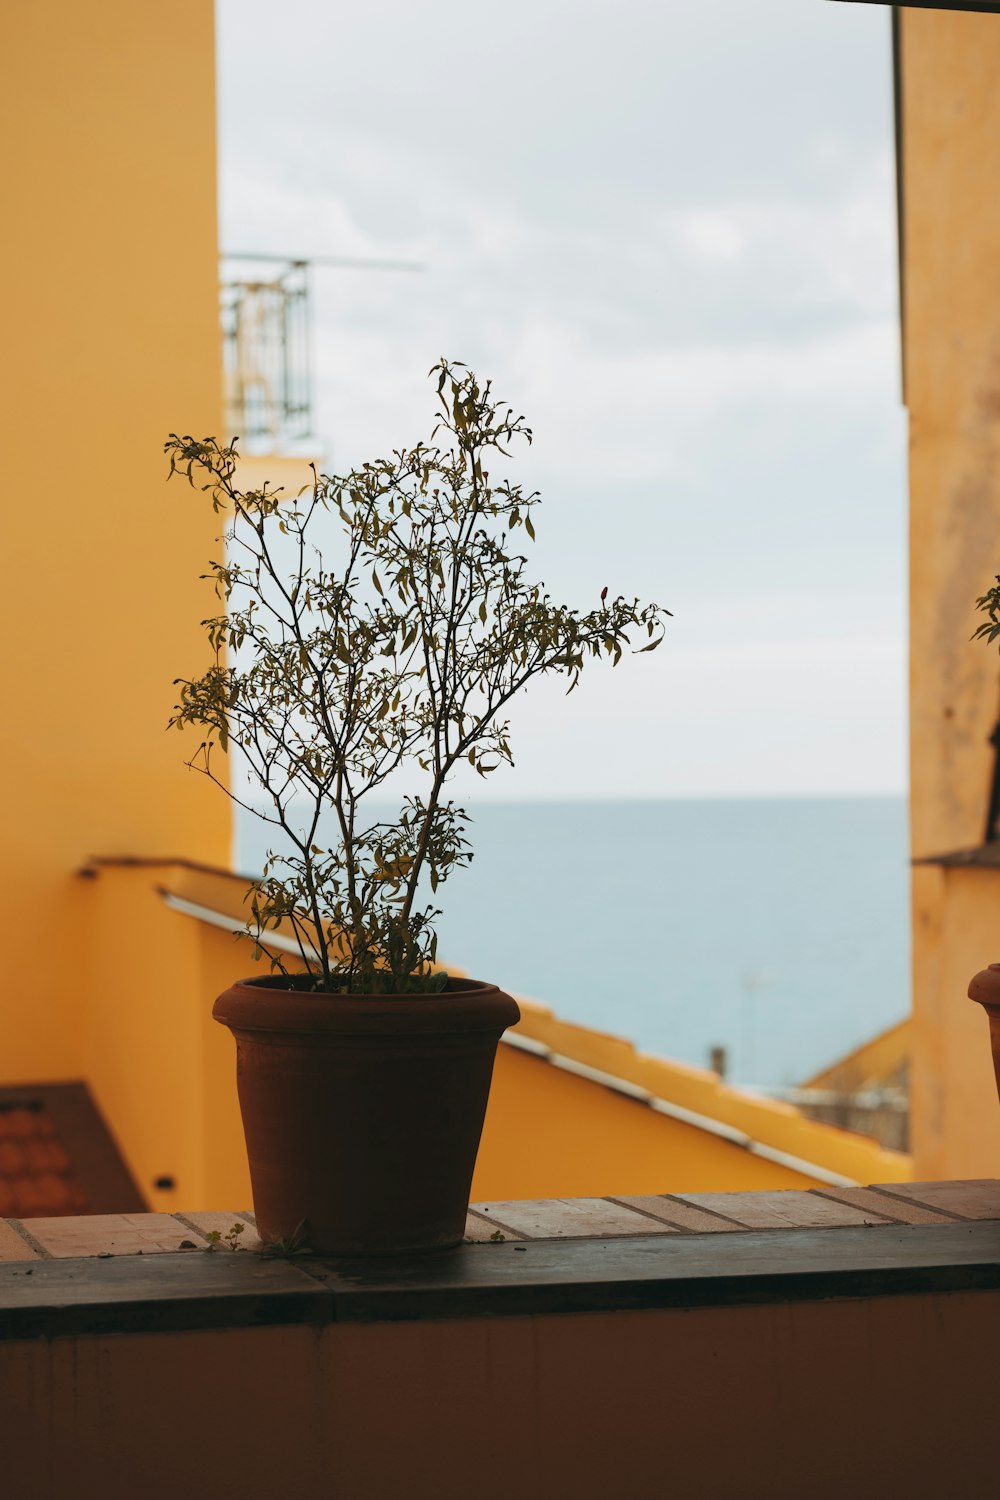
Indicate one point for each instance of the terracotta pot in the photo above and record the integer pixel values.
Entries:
(985, 990)
(362, 1115)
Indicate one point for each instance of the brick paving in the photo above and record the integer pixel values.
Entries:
(670, 1215)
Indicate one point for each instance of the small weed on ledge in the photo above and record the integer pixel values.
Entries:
(231, 1238)
(285, 1249)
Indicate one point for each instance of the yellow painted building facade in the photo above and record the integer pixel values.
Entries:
(110, 335)
(117, 897)
(948, 67)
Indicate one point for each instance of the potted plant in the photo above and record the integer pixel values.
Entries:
(984, 987)
(363, 1070)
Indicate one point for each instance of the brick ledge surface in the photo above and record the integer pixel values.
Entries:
(104, 1235)
(149, 1272)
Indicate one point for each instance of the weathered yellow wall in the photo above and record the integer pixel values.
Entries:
(951, 237)
(951, 159)
(108, 264)
(956, 1111)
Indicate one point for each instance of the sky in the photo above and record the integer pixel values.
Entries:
(666, 232)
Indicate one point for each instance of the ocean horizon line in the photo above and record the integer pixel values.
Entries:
(644, 799)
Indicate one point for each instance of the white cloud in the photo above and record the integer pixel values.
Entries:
(694, 306)
(711, 233)
(644, 415)
(773, 718)
(832, 249)
(535, 308)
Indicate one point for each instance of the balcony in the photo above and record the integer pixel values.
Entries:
(822, 1343)
(267, 356)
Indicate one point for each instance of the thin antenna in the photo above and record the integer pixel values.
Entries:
(341, 262)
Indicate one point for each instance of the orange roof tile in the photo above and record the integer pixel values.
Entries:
(36, 1172)
(56, 1156)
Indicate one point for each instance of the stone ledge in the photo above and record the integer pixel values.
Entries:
(174, 1291)
(150, 1272)
(103, 1235)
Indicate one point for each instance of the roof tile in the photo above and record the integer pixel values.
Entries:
(56, 1156)
(17, 1124)
(11, 1159)
(46, 1156)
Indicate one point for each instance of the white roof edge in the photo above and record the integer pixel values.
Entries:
(678, 1112)
(214, 918)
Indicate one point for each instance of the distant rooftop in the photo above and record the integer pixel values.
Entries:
(57, 1156)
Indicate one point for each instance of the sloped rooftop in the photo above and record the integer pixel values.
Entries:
(57, 1156)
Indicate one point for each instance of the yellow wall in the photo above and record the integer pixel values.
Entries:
(619, 1139)
(110, 339)
(951, 238)
(161, 1069)
(550, 1134)
(771, 1122)
(954, 1105)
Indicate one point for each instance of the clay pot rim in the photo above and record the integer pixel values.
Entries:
(294, 984)
(984, 988)
(253, 1005)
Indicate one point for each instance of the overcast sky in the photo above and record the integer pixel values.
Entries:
(666, 231)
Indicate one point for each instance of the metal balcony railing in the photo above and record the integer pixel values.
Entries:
(267, 343)
(267, 355)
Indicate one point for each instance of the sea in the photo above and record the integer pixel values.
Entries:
(775, 929)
